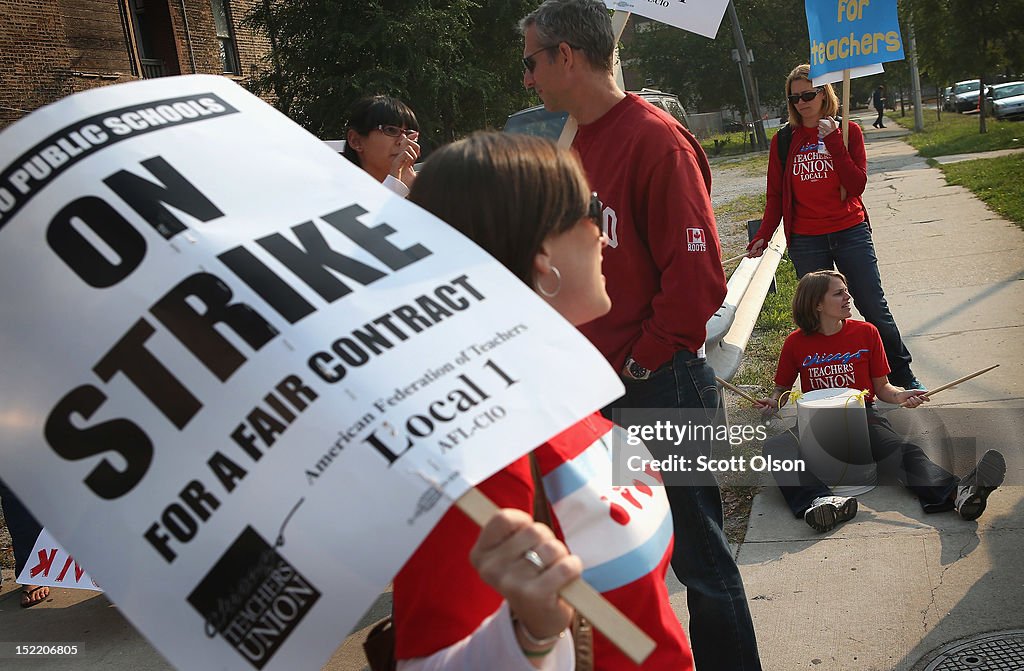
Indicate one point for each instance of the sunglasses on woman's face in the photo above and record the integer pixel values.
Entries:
(806, 96)
(594, 211)
(394, 131)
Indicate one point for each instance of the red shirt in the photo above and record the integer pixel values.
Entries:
(850, 358)
(817, 205)
(851, 164)
(663, 262)
(623, 534)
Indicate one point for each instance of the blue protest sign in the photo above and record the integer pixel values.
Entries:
(852, 33)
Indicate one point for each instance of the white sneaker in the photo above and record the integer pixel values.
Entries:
(828, 511)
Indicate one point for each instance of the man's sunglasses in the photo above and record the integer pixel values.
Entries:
(394, 131)
(806, 96)
(530, 63)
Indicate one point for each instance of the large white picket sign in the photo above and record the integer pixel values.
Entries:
(697, 16)
(241, 380)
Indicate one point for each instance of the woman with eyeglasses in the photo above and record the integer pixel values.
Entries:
(815, 188)
(381, 139)
(488, 599)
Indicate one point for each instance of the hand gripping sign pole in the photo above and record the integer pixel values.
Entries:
(619, 629)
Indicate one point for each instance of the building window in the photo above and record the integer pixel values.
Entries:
(226, 37)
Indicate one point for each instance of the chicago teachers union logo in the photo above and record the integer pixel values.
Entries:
(696, 241)
(253, 598)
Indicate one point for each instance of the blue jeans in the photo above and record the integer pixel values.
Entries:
(852, 253)
(721, 630)
(23, 527)
(899, 460)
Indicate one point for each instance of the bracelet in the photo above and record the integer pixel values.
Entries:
(549, 641)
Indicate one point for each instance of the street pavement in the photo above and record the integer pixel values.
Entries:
(879, 593)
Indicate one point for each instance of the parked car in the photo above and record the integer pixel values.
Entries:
(965, 95)
(947, 99)
(538, 121)
(1005, 100)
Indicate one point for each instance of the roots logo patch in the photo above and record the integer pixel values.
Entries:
(253, 598)
(696, 240)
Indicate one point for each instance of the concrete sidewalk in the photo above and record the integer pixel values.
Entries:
(885, 590)
(878, 593)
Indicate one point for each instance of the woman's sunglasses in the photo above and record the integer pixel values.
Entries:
(806, 96)
(595, 211)
(394, 131)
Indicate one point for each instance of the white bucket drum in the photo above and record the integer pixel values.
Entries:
(834, 443)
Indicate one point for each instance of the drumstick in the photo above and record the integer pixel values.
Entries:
(932, 392)
(618, 628)
(733, 388)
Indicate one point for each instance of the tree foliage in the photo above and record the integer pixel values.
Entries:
(456, 63)
(702, 72)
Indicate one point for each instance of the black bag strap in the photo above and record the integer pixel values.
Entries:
(784, 138)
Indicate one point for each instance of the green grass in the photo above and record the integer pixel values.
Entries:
(958, 134)
(757, 369)
(731, 144)
(997, 181)
(747, 206)
(773, 325)
(751, 165)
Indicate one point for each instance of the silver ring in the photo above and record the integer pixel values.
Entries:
(534, 558)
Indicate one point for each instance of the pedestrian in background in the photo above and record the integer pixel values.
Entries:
(878, 101)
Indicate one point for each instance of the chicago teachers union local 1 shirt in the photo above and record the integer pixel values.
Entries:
(849, 358)
(818, 207)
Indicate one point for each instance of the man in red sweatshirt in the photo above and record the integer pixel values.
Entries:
(665, 278)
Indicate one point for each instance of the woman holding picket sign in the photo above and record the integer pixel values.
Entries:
(808, 169)
(488, 599)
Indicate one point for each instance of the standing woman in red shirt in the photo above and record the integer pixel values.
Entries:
(824, 230)
(830, 350)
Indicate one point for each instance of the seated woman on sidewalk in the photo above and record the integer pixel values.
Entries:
(824, 228)
(471, 599)
(821, 310)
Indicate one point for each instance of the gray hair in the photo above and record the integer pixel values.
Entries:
(582, 24)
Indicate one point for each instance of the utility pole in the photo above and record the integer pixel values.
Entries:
(747, 79)
(915, 80)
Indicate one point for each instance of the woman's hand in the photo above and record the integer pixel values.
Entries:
(911, 398)
(767, 406)
(826, 125)
(531, 592)
(408, 154)
(755, 248)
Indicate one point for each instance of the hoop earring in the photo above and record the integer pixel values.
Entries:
(558, 286)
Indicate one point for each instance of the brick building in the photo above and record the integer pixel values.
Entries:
(52, 48)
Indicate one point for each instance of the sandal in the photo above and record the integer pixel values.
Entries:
(32, 595)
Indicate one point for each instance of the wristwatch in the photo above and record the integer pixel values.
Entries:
(636, 371)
